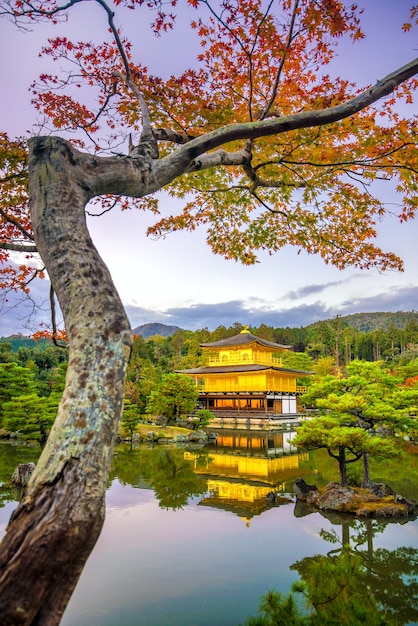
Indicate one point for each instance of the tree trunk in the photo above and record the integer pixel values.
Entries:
(58, 521)
(345, 533)
(342, 465)
(365, 483)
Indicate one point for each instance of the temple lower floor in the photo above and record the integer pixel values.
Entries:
(247, 403)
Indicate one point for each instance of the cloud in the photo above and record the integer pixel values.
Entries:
(226, 314)
(22, 313)
(309, 290)
(404, 298)
(139, 315)
(19, 315)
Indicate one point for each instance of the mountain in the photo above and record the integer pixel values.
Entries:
(21, 341)
(364, 322)
(154, 328)
(367, 322)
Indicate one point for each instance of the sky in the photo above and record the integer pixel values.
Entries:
(178, 280)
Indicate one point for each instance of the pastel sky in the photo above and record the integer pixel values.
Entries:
(178, 280)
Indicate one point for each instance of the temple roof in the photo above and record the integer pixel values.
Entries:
(225, 369)
(244, 338)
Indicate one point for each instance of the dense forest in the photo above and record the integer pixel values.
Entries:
(368, 336)
(32, 373)
(374, 321)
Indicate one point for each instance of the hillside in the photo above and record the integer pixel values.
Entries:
(367, 322)
(154, 328)
(364, 322)
(21, 341)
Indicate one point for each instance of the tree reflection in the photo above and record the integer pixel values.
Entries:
(390, 574)
(164, 469)
(352, 584)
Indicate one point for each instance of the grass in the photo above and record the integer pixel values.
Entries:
(161, 432)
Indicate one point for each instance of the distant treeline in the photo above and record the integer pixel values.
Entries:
(367, 336)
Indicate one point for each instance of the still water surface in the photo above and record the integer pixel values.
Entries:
(189, 539)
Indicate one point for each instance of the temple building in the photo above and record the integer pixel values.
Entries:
(244, 377)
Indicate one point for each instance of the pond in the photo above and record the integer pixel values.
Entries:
(190, 540)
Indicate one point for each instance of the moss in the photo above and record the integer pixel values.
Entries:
(362, 503)
(381, 507)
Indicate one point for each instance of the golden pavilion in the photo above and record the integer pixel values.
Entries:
(244, 377)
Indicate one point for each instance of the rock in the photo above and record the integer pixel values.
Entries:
(302, 509)
(180, 438)
(411, 505)
(151, 436)
(275, 499)
(302, 489)
(361, 502)
(335, 498)
(22, 474)
(381, 490)
(198, 435)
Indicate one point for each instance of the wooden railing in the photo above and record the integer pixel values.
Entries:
(236, 360)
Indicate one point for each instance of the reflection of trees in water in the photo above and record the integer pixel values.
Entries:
(391, 574)
(165, 469)
(362, 584)
(349, 585)
(174, 480)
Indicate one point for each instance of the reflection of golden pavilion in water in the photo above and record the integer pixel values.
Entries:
(242, 469)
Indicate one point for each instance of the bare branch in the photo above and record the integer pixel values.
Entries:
(304, 119)
(102, 109)
(141, 174)
(15, 223)
(166, 134)
(18, 247)
(220, 157)
(18, 176)
(290, 34)
(54, 319)
(248, 51)
(28, 10)
(266, 206)
(147, 135)
(107, 210)
(366, 162)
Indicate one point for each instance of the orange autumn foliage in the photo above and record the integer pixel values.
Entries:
(316, 188)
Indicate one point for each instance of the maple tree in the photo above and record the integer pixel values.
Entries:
(271, 149)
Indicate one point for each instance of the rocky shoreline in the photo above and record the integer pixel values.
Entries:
(379, 501)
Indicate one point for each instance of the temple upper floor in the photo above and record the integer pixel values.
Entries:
(243, 357)
(244, 349)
